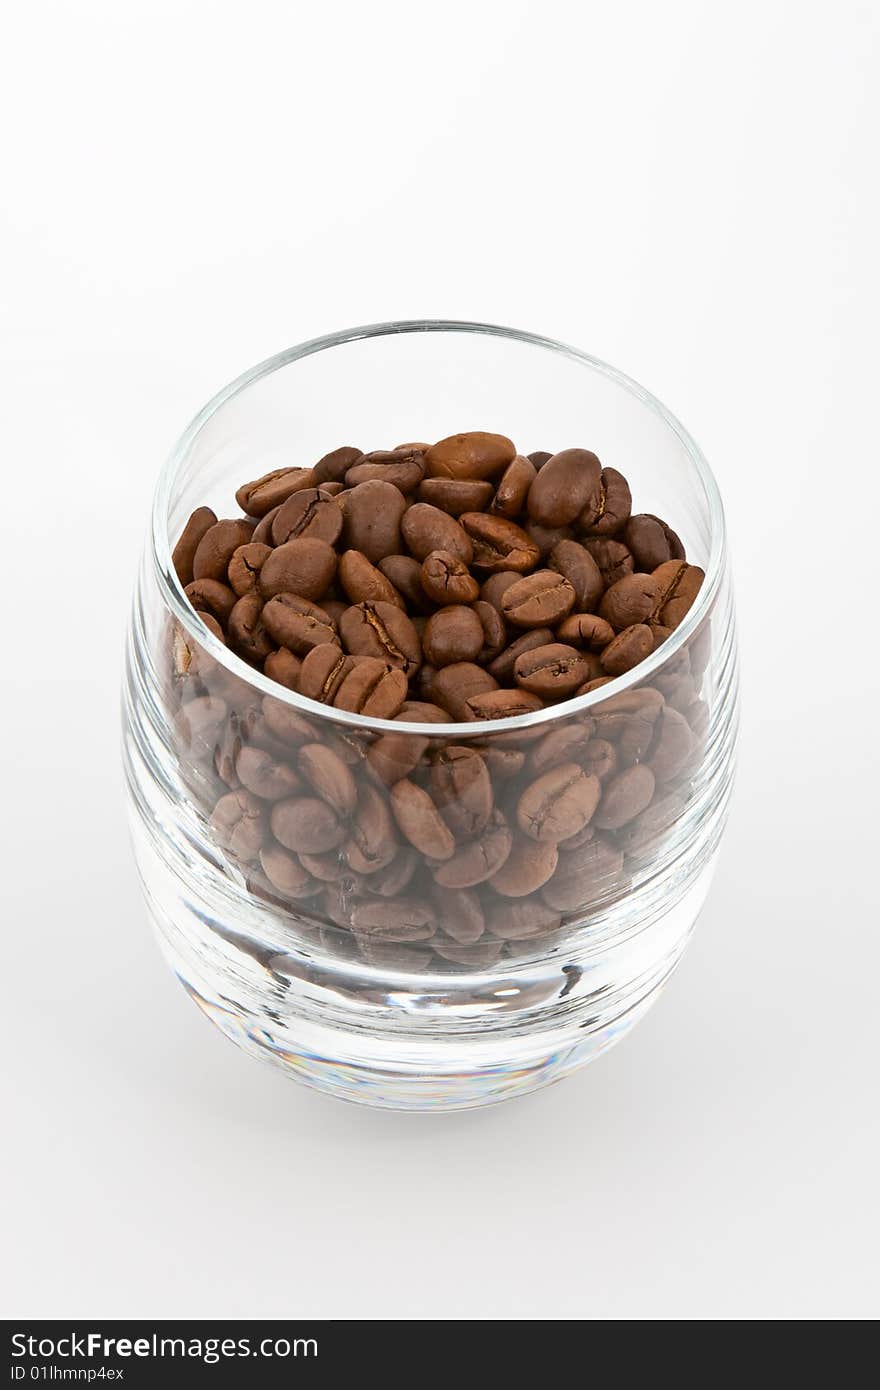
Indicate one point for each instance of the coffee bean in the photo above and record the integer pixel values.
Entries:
(496, 586)
(609, 506)
(502, 704)
(238, 823)
(392, 880)
(503, 666)
(493, 629)
(563, 745)
(421, 712)
(333, 467)
(322, 672)
(455, 495)
(522, 921)
(538, 600)
(613, 558)
(311, 512)
(586, 630)
(363, 582)
(498, 544)
(513, 487)
(454, 685)
(216, 548)
(651, 541)
(474, 455)
(672, 746)
(259, 497)
(559, 803)
(384, 631)
(600, 758)
(462, 789)
(403, 468)
(446, 579)
(287, 725)
(419, 820)
(426, 528)
(404, 919)
(263, 776)
(183, 554)
(393, 756)
(331, 867)
(210, 596)
(262, 534)
(624, 796)
(372, 842)
(244, 567)
(631, 600)
(539, 458)
(304, 567)
(577, 565)
(295, 623)
(306, 824)
(405, 574)
(477, 860)
(371, 687)
(552, 671)
(248, 634)
(371, 519)
(460, 911)
(527, 868)
(453, 634)
(563, 487)
(678, 584)
(328, 775)
(582, 878)
(546, 537)
(629, 647)
(285, 872)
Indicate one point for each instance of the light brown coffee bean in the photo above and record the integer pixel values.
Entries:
(473, 455)
(259, 497)
(421, 712)
(297, 624)
(238, 824)
(624, 796)
(426, 528)
(494, 632)
(305, 567)
(331, 867)
(306, 824)
(477, 860)
(678, 585)
(372, 842)
(521, 921)
(210, 596)
(183, 554)
(559, 803)
(265, 777)
(393, 756)
(248, 634)
(371, 519)
(419, 820)
(403, 468)
(584, 878)
(565, 744)
(460, 911)
(285, 872)
(392, 880)
(586, 630)
(322, 672)
(496, 586)
(546, 537)
(371, 687)
(328, 776)
(244, 567)
(282, 666)
(513, 487)
(672, 747)
(454, 685)
(447, 580)
(462, 789)
(333, 467)
(563, 487)
(455, 495)
(552, 672)
(503, 704)
(402, 919)
(363, 582)
(381, 630)
(311, 512)
(628, 648)
(577, 565)
(405, 574)
(286, 725)
(499, 544)
(600, 758)
(538, 600)
(526, 869)
(630, 600)
(453, 634)
(502, 667)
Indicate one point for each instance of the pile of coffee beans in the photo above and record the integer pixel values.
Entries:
(453, 582)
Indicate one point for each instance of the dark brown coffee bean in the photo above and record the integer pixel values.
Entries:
(672, 747)
(447, 580)
(559, 803)
(563, 745)
(624, 796)
(583, 878)
(238, 824)
(526, 869)
(419, 820)
(455, 495)
(462, 789)
(609, 505)
(285, 872)
(183, 554)
(539, 458)
(613, 558)
(295, 623)
(651, 541)
(248, 634)
(546, 537)
(454, 685)
(496, 586)
(502, 667)
(405, 574)
(372, 842)
(393, 756)
(586, 630)
(403, 468)
(402, 919)
(384, 631)
(263, 530)
(577, 565)
(563, 487)
(538, 600)
(328, 775)
(210, 596)
(426, 528)
(262, 775)
(364, 583)
(311, 512)
(244, 567)
(371, 519)
(474, 455)
(217, 547)
(521, 921)
(513, 487)
(552, 671)
(499, 544)
(333, 467)
(477, 860)
(630, 600)
(460, 911)
(628, 648)
(678, 584)
(307, 824)
(494, 631)
(503, 704)
(259, 497)
(305, 567)
(371, 687)
(453, 634)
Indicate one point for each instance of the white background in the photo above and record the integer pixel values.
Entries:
(686, 190)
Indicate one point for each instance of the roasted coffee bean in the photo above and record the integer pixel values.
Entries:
(539, 458)
(502, 667)
(527, 868)
(322, 672)
(461, 912)
(600, 758)
(421, 712)
(244, 568)
(287, 725)
(521, 921)
(262, 775)
(627, 720)
(455, 495)
(552, 672)
(513, 487)
(259, 497)
(372, 842)
(624, 796)
(331, 867)
(371, 519)
(371, 687)
(477, 860)
(454, 685)
(381, 630)
(493, 629)
(183, 554)
(672, 746)
(304, 567)
(210, 596)
(263, 530)
(189, 657)
(563, 487)
(295, 623)
(328, 775)
(502, 704)
(333, 467)
(577, 565)
(609, 506)
(393, 756)
(403, 468)
(311, 512)
(405, 574)
(580, 879)
(426, 528)
(306, 824)
(453, 634)
(446, 579)
(546, 537)
(420, 822)
(238, 823)
(285, 872)
(363, 582)
(630, 600)
(678, 585)
(563, 745)
(199, 722)
(628, 648)
(559, 803)
(613, 558)
(391, 880)
(474, 455)
(403, 919)
(499, 544)
(217, 547)
(248, 634)
(651, 541)
(462, 789)
(586, 630)
(538, 600)
(496, 587)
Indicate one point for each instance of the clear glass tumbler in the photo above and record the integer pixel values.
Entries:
(375, 973)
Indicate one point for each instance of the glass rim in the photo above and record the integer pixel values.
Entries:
(179, 604)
